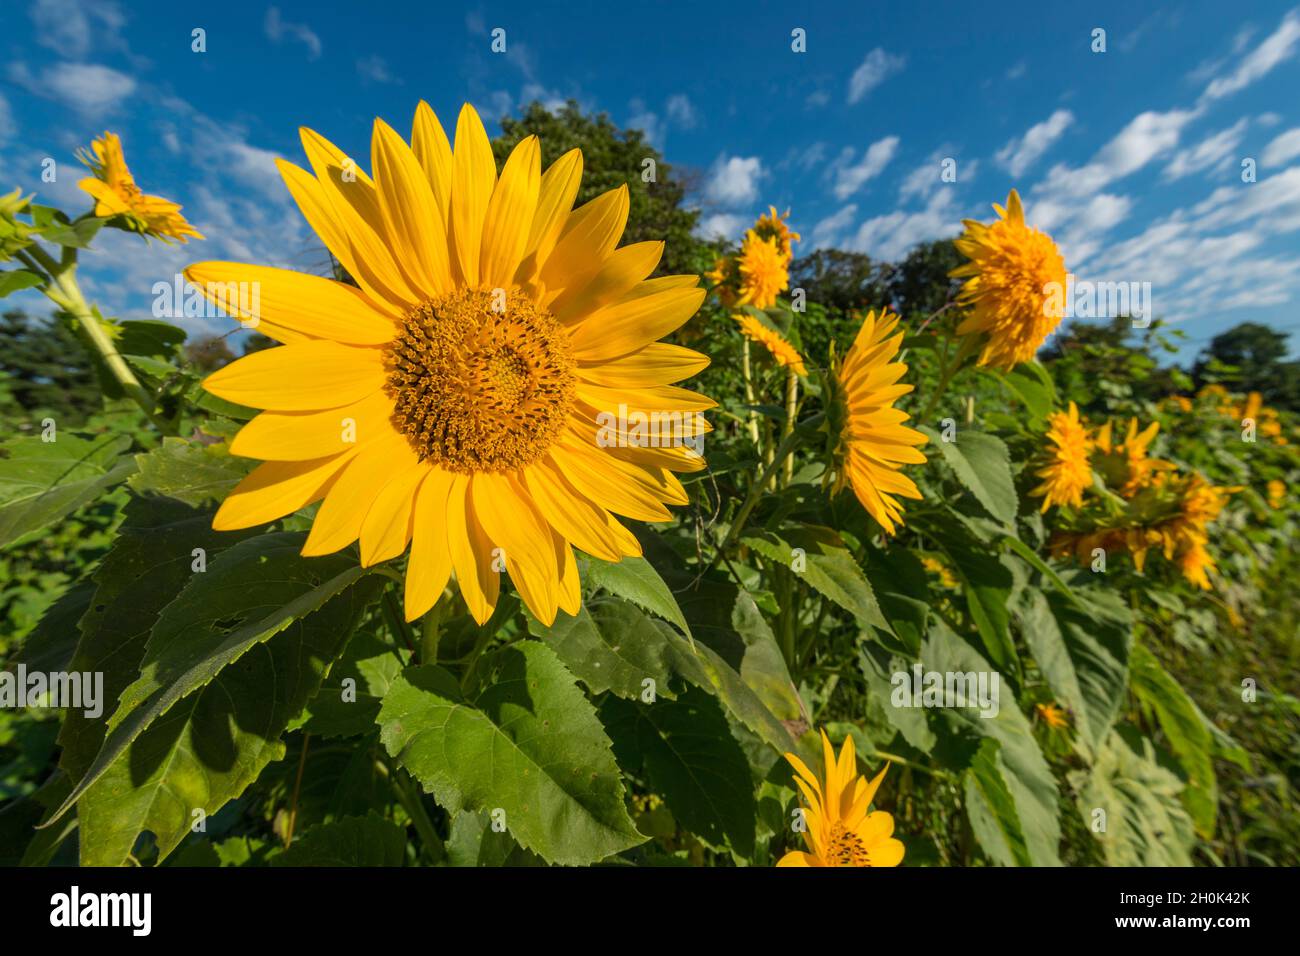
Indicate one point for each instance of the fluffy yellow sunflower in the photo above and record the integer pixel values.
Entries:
(455, 398)
(115, 193)
(785, 354)
(773, 225)
(873, 443)
(840, 830)
(763, 273)
(1015, 285)
(1067, 472)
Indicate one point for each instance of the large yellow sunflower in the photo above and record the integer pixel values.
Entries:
(840, 830)
(873, 442)
(1067, 472)
(461, 396)
(1010, 285)
(116, 194)
(773, 225)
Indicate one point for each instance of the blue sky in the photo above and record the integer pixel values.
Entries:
(1130, 157)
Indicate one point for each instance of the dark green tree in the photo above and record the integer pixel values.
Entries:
(841, 281)
(46, 369)
(920, 284)
(1250, 357)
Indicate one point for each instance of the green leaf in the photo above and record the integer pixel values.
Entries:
(15, 280)
(1028, 778)
(1083, 654)
(983, 465)
(474, 841)
(686, 749)
(188, 471)
(249, 593)
(1187, 734)
(636, 580)
(986, 584)
(1145, 823)
(612, 646)
(529, 744)
(820, 557)
(1030, 383)
(348, 701)
(351, 841)
(41, 482)
(992, 809)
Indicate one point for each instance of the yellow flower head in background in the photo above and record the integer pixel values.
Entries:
(840, 830)
(1127, 464)
(1195, 562)
(1053, 716)
(1009, 280)
(116, 194)
(724, 279)
(785, 354)
(1276, 493)
(772, 225)
(1067, 473)
(939, 569)
(763, 274)
(874, 443)
(451, 399)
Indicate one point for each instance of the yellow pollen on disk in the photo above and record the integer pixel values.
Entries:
(477, 387)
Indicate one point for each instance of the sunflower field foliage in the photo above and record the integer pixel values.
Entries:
(541, 532)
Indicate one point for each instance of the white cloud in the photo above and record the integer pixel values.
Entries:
(828, 231)
(1283, 149)
(734, 180)
(721, 225)
(277, 29)
(851, 176)
(72, 27)
(890, 236)
(375, 70)
(874, 70)
(90, 89)
(7, 126)
(648, 122)
(1276, 47)
(1211, 152)
(1147, 136)
(682, 111)
(1019, 154)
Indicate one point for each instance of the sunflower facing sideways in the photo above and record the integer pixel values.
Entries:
(1067, 472)
(452, 399)
(839, 829)
(116, 195)
(872, 443)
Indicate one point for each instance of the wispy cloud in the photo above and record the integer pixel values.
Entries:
(734, 180)
(851, 175)
(1019, 154)
(1274, 49)
(874, 70)
(277, 29)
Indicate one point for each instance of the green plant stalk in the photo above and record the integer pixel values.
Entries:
(750, 399)
(61, 288)
(947, 371)
(791, 410)
(431, 632)
(783, 451)
(410, 801)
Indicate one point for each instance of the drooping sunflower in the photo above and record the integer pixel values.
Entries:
(786, 355)
(1067, 472)
(763, 272)
(872, 443)
(115, 193)
(455, 398)
(840, 830)
(1015, 285)
(1128, 464)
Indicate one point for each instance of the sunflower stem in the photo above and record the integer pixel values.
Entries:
(791, 410)
(783, 451)
(948, 370)
(430, 633)
(750, 399)
(61, 288)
